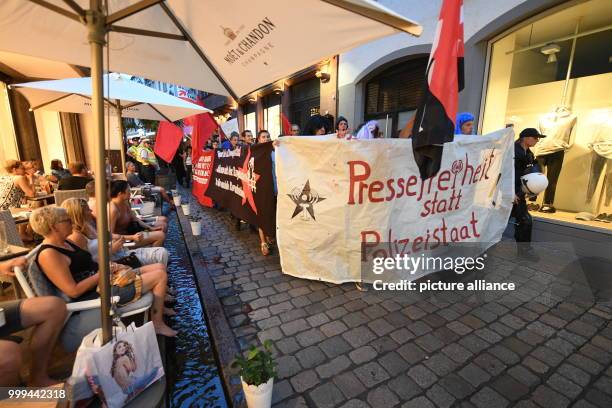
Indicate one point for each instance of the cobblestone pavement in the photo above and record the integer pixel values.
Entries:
(536, 346)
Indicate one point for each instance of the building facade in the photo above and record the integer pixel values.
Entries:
(536, 63)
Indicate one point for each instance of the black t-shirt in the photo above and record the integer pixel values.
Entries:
(524, 163)
(73, 183)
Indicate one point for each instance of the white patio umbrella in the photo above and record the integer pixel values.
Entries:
(229, 48)
(122, 96)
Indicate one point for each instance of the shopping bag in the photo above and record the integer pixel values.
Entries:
(126, 366)
(81, 394)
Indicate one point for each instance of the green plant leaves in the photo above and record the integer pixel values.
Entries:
(258, 366)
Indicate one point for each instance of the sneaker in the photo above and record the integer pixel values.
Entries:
(548, 209)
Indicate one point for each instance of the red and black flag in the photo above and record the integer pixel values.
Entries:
(435, 119)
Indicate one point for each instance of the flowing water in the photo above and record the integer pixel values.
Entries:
(193, 377)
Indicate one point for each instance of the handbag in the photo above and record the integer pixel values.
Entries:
(121, 369)
(122, 275)
(130, 260)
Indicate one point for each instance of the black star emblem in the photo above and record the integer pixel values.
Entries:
(305, 200)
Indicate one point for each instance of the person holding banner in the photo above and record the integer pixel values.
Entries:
(263, 136)
(316, 126)
(464, 124)
(342, 128)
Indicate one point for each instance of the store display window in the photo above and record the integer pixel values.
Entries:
(554, 73)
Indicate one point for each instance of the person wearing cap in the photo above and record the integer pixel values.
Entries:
(133, 151)
(524, 163)
(148, 161)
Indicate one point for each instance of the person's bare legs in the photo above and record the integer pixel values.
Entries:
(265, 249)
(10, 363)
(162, 222)
(47, 314)
(155, 238)
(155, 279)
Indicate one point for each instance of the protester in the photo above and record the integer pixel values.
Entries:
(15, 186)
(316, 125)
(295, 129)
(178, 164)
(368, 130)
(148, 162)
(247, 138)
(58, 171)
(74, 273)
(77, 180)
(46, 315)
(215, 144)
(188, 166)
(231, 143)
(464, 124)
(135, 181)
(123, 221)
(524, 163)
(263, 136)
(342, 128)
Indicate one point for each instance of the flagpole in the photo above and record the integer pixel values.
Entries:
(95, 27)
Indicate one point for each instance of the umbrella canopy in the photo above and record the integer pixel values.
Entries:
(132, 99)
(230, 48)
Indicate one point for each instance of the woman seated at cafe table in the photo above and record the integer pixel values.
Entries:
(74, 273)
(123, 221)
(15, 186)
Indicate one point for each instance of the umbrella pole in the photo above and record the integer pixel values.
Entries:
(122, 134)
(95, 28)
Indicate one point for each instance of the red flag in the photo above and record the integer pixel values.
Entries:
(168, 138)
(286, 124)
(203, 126)
(435, 119)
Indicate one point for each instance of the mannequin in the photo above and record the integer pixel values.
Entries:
(601, 157)
(550, 151)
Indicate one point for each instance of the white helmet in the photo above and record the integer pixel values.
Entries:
(534, 183)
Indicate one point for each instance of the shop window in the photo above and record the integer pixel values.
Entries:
(250, 118)
(393, 95)
(527, 87)
(272, 115)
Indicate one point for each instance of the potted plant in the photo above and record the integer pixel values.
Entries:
(196, 223)
(257, 372)
(177, 199)
(186, 208)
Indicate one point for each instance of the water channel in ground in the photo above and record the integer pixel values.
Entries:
(193, 376)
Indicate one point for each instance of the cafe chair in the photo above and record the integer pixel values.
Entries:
(63, 195)
(13, 238)
(34, 283)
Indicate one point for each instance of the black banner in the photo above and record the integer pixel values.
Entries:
(242, 182)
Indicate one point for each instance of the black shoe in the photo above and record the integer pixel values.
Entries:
(548, 209)
(533, 207)
(528, 254)
(237, 224)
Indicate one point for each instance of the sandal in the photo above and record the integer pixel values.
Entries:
(265, 249)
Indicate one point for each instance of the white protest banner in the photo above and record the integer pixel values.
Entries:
(337, 196)
(230, 126)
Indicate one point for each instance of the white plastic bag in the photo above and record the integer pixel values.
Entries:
(124, 367)
(77, 385)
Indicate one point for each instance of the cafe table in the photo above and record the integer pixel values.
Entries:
(47, 198)
(14, 251)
